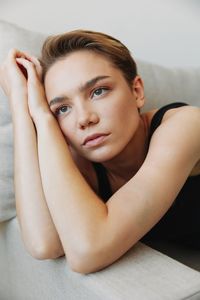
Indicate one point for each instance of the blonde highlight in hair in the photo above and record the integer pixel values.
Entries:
(57, 47)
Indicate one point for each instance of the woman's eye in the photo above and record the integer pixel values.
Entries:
(99, 92)
(61, 110)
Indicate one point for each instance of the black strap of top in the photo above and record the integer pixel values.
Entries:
(105, 191)
(157, 118)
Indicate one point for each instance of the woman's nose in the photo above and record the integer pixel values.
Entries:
(86, 116)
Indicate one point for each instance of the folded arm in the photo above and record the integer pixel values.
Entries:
(38, 230)
(90, 230)
(95, 234)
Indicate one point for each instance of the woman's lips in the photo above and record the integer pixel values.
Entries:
(95, 141)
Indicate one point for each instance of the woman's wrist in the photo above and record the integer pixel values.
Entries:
(43, 116)
(18, 101)
(18, 112)
(20, 118)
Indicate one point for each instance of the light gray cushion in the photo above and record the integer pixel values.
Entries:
(165, 85)
(141, 274)
(162, 85)
(11, 36)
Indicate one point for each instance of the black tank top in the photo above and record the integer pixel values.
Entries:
(181, 222)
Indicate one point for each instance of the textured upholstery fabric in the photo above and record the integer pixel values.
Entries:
(164, 85)
(142, 274)
(11, 36)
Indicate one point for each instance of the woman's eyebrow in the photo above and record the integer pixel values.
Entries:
(57, 100)
(90, 83)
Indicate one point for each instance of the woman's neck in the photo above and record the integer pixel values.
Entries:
(128, 162)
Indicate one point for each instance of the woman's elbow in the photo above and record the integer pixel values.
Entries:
(81, 267)
(86, 263)
(43, 252)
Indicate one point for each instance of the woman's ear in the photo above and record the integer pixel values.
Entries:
(138, 90)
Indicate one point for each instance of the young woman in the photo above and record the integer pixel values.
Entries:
(93, 175)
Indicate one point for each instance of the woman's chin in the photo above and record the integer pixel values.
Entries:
(101, 155)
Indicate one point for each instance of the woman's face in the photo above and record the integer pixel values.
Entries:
(95, 107)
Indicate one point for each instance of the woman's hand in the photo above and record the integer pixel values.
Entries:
(13, 79)
(36, 95)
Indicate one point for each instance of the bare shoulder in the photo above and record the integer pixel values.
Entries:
(184, 118)
(188, 110)
(180, 131)
(183, 121)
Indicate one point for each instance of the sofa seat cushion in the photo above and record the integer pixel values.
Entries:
(142, 273)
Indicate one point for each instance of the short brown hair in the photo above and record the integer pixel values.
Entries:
(59, 46)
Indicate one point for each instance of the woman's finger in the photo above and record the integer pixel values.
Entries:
(36, 93)
(29, 66)
(36, 62)
(22, 68)
(15, 53)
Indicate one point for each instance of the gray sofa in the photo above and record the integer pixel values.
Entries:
(157, 271)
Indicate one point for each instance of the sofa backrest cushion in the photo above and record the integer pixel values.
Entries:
(11, 36)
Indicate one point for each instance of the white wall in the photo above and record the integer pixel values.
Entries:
(166, 32)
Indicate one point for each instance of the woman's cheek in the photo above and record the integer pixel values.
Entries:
(63, 129)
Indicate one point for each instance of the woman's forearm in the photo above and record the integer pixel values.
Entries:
(37, 228)
(78, 213)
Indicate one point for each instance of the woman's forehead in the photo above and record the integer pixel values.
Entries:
(77, 69)
(80, 61)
